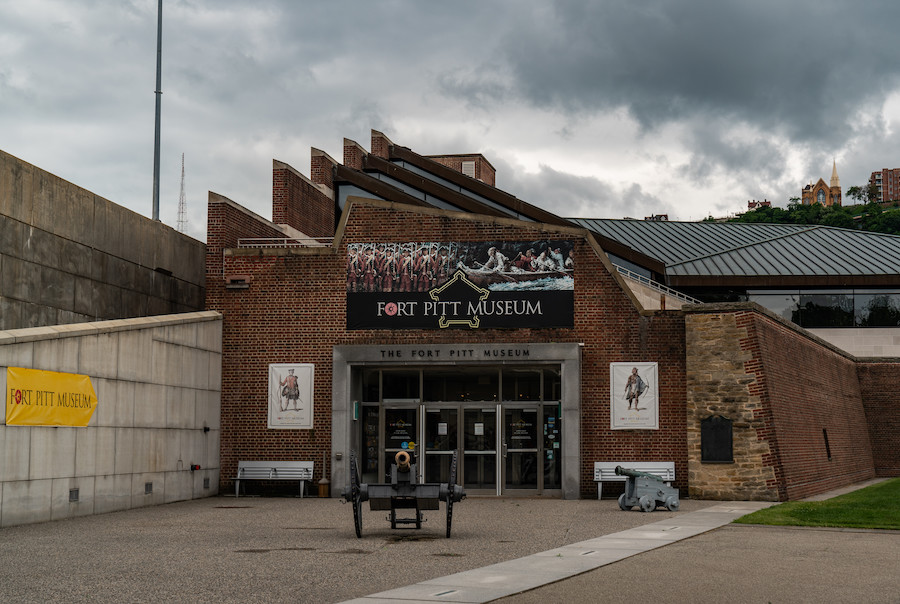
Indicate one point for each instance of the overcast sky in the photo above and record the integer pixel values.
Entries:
(593, 108)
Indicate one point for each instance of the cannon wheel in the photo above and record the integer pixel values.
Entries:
(647, 503)
(622, 505)
(672, 503)
(355, 495)
(450, 487)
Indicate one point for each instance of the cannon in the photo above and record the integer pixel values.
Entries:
(647, 491)
(402, 493)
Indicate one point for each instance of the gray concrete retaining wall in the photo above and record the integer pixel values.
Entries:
(158, 385)
(70, 256)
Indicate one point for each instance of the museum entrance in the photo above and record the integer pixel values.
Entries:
(504, 421)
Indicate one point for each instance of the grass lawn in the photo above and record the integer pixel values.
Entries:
(875, 507)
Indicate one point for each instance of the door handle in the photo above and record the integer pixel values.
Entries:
(503, 450)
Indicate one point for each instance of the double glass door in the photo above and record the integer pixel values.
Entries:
(504, 448)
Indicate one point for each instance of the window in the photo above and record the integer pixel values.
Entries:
(468, 168)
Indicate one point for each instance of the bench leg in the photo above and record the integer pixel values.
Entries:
(237, 487)
(302, 488)
(599, 490)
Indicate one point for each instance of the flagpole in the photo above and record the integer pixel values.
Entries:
(158, 104)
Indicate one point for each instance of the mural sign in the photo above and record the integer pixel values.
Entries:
(435, 285)
(48, 398)
(291, 396)
(634, 396)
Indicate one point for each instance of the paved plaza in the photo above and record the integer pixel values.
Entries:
(254, 549)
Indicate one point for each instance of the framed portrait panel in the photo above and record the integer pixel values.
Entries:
(634, 396)
(291, 396)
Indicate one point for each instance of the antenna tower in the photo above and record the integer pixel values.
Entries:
(182, 202)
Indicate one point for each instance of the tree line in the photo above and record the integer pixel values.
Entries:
(868, 215)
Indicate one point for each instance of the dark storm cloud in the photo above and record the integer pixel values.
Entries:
(747, 158)
(579, 196)
(798, 68)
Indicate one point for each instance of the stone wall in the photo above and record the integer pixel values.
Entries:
(799, 422)
(718, 384)
(70, 256)
(158, 384)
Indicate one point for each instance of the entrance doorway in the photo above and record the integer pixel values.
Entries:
(509, 438)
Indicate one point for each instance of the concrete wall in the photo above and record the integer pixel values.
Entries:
(863, 341)
(70, 256)
(158, 386)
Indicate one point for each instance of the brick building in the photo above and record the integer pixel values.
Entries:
(424, 309)
(888, 183)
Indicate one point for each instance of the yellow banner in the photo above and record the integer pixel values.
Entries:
(48, 398)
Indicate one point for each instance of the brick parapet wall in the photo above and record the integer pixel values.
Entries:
(813, 388)
(321, 169)
(781, 388)
(380, 145)
(226, 223)
(295, 311)
(353, 154)
(881, 399)
(299, 203)
(483, 170)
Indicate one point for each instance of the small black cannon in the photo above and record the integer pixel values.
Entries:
(647, 491)
(403, 493)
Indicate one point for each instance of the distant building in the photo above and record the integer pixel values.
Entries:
(827, 195)
(658, 217)
(888, 183)
(752, 205)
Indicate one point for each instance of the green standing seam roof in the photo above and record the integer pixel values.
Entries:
(710, 249)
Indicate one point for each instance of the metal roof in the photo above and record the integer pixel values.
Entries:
(711, 249)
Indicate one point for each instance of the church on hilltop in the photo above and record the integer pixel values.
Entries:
(827, 195)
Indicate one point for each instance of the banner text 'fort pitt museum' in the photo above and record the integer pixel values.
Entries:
(461, 285)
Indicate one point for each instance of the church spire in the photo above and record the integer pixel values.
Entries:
(835, 181)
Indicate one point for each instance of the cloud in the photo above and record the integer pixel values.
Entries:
(797, 68)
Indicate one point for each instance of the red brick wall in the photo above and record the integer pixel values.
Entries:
(483, 170)
(294, 311)
(321, 168)
(805, 388)
(226, 223)
(881, 399)
(353, 154)
(298, 203)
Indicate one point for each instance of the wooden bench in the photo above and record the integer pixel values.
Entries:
(273, 470)
(605, 471)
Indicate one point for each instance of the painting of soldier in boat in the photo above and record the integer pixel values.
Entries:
(498, 266)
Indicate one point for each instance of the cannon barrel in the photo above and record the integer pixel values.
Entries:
(620, 471)
(402, 461)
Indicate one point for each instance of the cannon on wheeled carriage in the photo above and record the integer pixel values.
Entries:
(647, 491)
(403, 493)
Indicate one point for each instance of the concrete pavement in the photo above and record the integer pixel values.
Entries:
(250, 549)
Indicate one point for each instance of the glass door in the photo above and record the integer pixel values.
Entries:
(479, 459)
(400, 434)
(441, 440)
(520, 448)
